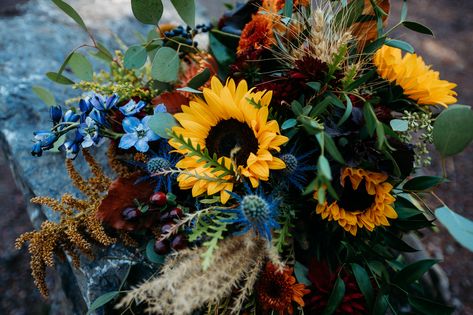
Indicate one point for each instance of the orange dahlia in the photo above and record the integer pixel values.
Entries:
(277, 290)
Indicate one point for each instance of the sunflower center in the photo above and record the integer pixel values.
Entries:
(355, 200)
(232, 138)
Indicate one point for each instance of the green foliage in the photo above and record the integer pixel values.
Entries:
(59, 78)
(301, 272)
(460, 227)
(165, 65)
(428, 307)
(81, 67)
(350, 13)
(147, 11)
(160, 123)
(417, 27)
(71, 12)
(396, 43)
(135, 57)
(102, 300)
(364, 282)
(423, 183)
(199, 79)
(283, 234)
(413, 272)
(151, 254)
(336, 297)
(453, 130)
(186, 10)
(45, 95)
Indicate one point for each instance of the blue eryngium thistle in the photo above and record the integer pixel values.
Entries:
(255, 212)
(297, 166)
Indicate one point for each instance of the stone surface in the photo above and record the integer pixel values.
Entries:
(35, 38)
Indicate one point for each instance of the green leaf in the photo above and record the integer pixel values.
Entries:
(413, 272)
(222, 53)
(165, 65)
(189, 89)
(81, 67)
(45, 95)
(287, 11)
(358, 82)
(71, 12)
(289, 124)
(103, 53)
(422, 183)
(405, 213)
(404, 10)
(453, 130)
(396, 43)
(399, 125)
(335, 298)
(151, 254)
(381, 304)
(147, 11)
(301, 273)
(324, 167)
(102, 300)
(347, 112)
(186, 10)
(135, 57)
(370, 118)
(380, 135)
(375, 45)
(59, 78)
(332, 149)
(429, 307)
(417, 27)
(314, 85)
(364, 282)
(200, 79)
(160, 122)
(460, 227)
(350, 13)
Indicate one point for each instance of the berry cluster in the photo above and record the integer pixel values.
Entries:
(188, 33)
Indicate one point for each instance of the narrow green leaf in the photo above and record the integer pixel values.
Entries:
(189, 89)
(45, 95)
(314, 85)
(396, 43)
(186, 10)
(66, 8)
(324, 167)
(332, 149)
(460, 227)
(404, 10)
(381, 304)
(289, 124)
(413, 272)
(147, 11)
(102, 300)
(103, 52)
(380, 135)
(160, 122)
(417, 27)
(375, 45)
(347, 112)
(364, 282)
(453, 130)
(287, 11)
(335, 298)
(81, 67)
(422, 183)
(370, 118)
(428, 307)
(135, 57)
(59, 78)
(200, 79)
(350, 13)
(165, 65)
(358, 82)
(301, 273)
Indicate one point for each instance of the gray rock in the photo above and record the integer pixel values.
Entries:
(32, 44)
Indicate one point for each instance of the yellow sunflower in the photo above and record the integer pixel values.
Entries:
(410, 72)
(366, 201)
(231, 122)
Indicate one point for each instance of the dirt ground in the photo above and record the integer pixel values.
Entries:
(449, 52)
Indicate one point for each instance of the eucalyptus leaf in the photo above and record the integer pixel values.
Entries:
(45, 95)
(147, 11)
(165, 65)
(189, 89)
(200, 79)
(151, 254)
(287, 11)
(186, 10)
(453, 130)
(324, 167)
(396, 43)
(102, 300)
(364, 282)
(59, 78)
(301, 273)
(399, 125)
(135, 57)
(289, 124)
(336, 297)
(71, 12)
(160, 122)
(413, 272)
(428, 307)
(81, 67)
(460, 227)
(422, 183)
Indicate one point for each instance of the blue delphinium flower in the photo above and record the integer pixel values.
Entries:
(55, 112)
(90, 131)
(256, 212)
(131, 108)
(138, 134)
(102, 103)
(72, 147)
(71, 116)
(43, 140)
(297, 166)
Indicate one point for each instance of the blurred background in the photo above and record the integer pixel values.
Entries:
(449, 52)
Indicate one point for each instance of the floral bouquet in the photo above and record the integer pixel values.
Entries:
(270, 173)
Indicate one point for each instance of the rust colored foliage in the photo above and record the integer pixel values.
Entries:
(122, 194)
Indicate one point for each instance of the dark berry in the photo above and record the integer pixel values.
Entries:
(176, 213)
(159, 199)
(131, 213)
(179, 242)
(165, 216)
(161, 247)
(166, 228)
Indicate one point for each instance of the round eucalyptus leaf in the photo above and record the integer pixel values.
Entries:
(165, 65)
(453, 130)
(135, 57)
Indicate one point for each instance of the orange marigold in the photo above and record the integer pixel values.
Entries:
(276, 290)
(256, 36)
